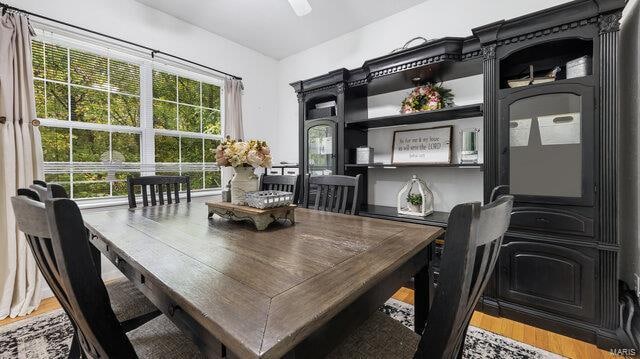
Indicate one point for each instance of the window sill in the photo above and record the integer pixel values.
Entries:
(91, 203)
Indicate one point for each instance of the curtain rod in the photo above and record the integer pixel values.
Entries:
(153, 52)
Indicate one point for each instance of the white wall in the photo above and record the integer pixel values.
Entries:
(130, 20)
(431, 19)
(629, 145)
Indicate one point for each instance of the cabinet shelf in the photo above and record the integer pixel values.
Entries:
(387, 212)
(389, 165)
(584, 80)
(445, 114)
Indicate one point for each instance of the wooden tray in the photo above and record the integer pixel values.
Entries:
(261, 218)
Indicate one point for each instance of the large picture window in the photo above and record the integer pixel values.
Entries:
(95, 131)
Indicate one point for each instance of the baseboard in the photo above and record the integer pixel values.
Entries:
(583, 331)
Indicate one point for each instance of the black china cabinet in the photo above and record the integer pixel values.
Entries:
(553, 143)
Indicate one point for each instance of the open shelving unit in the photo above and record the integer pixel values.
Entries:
(571, 239)
(391, 165)
(436, 218)
(445, 114)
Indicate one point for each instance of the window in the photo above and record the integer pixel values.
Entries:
(96, 131)
(186, 122)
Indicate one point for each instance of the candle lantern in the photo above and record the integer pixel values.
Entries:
(415, 198)
(469, 145)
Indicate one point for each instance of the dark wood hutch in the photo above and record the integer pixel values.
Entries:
(558, 267)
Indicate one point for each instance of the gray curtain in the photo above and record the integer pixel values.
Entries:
(233, 108)
(20, 163)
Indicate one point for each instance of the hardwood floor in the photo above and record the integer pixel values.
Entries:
(555, 343)
(46, 305)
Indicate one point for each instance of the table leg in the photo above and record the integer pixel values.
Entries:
(423, 294)
(97, 258)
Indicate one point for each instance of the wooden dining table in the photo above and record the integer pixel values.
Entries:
(293, 290)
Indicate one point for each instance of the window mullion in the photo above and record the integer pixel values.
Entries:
(147, 138)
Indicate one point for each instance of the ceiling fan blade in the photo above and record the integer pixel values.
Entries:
(300, 7)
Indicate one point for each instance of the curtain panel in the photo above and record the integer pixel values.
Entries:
(21, 162)
(233, 108)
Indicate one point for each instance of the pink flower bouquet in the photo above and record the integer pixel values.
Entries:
(236, 153)
(427, 98)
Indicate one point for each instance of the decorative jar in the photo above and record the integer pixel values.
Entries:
(244, 180)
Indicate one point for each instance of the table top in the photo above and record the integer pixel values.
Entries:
(259, 292)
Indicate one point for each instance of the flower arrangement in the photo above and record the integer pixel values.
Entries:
(427, 98)
(238, 153)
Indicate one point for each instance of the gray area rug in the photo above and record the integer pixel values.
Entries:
(49, 336)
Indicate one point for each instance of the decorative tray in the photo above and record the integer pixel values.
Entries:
(268, 199)
(261, 218)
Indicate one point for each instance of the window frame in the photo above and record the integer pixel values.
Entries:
(146, 131)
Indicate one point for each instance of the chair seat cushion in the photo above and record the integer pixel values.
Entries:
(379, 337)
(127, 301)
(160, 338)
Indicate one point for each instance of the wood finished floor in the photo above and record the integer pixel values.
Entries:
(555, 343)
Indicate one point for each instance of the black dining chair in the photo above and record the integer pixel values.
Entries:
(157, 187)
(40, 187)
(472, 244)
(57, 236)
(333, 193)
(131, 307)
(285, 183)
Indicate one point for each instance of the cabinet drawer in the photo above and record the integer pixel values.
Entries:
(550, 277)
(552, 220)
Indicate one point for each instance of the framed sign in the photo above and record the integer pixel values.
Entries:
(422, 146)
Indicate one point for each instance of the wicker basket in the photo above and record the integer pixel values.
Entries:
(269, 199)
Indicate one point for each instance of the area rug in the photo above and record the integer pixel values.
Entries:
(49, 336)
(479, 343)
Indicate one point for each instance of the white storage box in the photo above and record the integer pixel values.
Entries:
(519, 131)
(560, 129)
(364, 155)
(579, 67)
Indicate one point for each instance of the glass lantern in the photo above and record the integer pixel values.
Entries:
(415, 198)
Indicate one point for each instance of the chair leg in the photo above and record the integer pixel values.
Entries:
(74, 351)
(133, 323)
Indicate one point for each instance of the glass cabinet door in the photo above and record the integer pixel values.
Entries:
(550, 142)
(321, 156)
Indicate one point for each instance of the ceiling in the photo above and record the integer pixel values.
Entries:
(272, 28)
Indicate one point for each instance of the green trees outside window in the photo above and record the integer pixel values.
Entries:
(92, 110)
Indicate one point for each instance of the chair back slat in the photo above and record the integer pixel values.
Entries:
(176, 191)
(158, 187)
(152, 188)
(145, 201)
(60, 243)
(333, 193)
(160, 194)
(471, 248)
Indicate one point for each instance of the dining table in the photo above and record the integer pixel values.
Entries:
(294, 290)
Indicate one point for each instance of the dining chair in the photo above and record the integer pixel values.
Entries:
(333, 193)
(57, 236)
(162, 185)
(131, 307)
(498, 191)
(40, 187)
(285, 183)
(472, 244)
